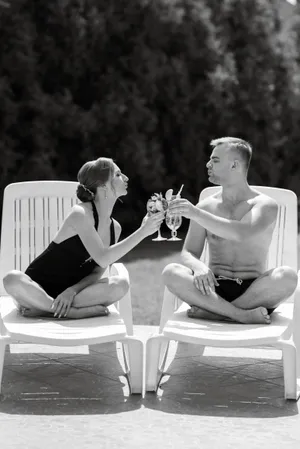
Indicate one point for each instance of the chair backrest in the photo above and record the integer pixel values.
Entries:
(31, 215)
(283, 249)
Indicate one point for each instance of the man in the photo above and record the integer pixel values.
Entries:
(238, 224)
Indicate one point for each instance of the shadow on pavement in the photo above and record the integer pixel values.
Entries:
(234, 406)
(92, 382)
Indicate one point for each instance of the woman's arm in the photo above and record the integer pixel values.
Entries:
(98, 271)
(90, 238)
(64, 301)
(96, 274)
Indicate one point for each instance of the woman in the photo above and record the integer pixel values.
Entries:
(65, 280)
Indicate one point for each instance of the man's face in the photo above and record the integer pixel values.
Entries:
(220, 164)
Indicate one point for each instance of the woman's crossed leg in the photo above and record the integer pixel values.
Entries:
(32, 300)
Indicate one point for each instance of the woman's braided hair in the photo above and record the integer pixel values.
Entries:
(92, 175)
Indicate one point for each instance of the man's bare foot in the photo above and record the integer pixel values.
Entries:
(197, 312)
(256, 316)
(252, 316)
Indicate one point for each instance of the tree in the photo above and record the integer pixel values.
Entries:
(263, 109)
(149, 84)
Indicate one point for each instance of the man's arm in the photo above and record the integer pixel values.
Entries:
(262, 215)
(203, 278)
(193, 246)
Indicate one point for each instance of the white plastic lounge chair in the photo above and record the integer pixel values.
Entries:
(283, 333)
(32, 213)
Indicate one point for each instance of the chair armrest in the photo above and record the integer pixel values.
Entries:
(124, 305)
(170, 304)
(3, 331)
(296, 317)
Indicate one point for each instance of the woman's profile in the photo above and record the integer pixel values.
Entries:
(66, 279)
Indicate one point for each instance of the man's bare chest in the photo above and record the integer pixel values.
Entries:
(232, 212)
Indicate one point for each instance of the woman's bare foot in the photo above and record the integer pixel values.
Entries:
(87, 312)
(74, 313)
(30, 312)
(256, 316)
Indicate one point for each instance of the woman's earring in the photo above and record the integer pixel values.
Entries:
(105, 189)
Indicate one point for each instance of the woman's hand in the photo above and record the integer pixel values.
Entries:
(205, 281)
(63, 303)
(151, 223)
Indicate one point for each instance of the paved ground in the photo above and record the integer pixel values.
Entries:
(211, 399)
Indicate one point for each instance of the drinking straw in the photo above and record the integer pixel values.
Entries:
(178, 194)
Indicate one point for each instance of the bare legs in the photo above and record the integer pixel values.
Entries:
(270, 289)
(94, 299)
(105, 291)
(91, 301)
(267, 291)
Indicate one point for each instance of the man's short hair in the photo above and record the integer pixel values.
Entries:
(242, 148)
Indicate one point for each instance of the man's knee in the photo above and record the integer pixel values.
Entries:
(287, 277)
(171, 274)
(11, 280)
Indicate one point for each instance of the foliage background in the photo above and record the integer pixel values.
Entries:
(148, 83)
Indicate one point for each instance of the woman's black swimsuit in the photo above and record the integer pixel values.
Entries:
(64, 264)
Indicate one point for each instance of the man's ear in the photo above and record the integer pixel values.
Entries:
(236, 164)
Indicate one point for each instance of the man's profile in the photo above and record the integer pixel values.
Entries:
(238, 223)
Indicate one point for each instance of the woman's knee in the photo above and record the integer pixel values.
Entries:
(287, 277)
(120, 285)
(12, 280)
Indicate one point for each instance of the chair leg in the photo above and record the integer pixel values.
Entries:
(290, 370)
(2, 354)
(154, 347)
(134, 360)
(168, 352)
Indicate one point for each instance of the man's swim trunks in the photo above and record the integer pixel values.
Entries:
(231, 288)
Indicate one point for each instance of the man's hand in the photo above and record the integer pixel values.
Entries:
(205, 281)
(182, 207)
(63, 303)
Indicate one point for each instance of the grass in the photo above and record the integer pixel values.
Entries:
(145, 264)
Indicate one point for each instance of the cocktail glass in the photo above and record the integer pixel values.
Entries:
(154, 205)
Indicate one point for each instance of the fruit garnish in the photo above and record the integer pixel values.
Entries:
(169, 194)
(159, 205)
(164, 204)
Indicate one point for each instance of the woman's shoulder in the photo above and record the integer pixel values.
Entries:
(80, 213)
